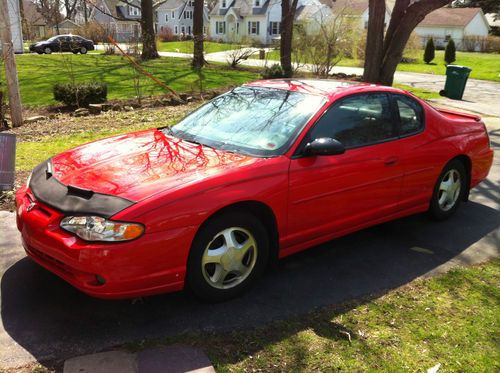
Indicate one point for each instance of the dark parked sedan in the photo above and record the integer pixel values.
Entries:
(63, 43)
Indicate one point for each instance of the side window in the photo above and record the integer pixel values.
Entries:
(357, 120)
(411, 115)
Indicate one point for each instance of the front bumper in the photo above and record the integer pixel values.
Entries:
(155, 263)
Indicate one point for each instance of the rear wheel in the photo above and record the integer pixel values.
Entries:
(47, 50)
(448, 191)
(227, 257)
(83, 50)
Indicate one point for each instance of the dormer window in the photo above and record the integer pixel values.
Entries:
(256, 3)
(133, 11)
(224, 3)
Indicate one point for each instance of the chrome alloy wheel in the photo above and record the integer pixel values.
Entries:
(449, 190)
(229, 258)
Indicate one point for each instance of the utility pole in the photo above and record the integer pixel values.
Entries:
(16, 113)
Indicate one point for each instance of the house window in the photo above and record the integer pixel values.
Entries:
(189, 30)
(224, 3)
(133, 11)
(188, 14)
(191, 3)
(257, 3)
(166, 17)
(220, 28)
(183, 29)
(173, 15)
(176, 30)
(237, 28)
(274, 28)
(253, 28)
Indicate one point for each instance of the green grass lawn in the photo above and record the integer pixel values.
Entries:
(485, 66)
(187, 46)
(38, 74)
(452, 320)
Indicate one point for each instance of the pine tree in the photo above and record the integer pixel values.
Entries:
(449, 53)
(429, 52)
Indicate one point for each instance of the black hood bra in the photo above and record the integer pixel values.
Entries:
(72, 200)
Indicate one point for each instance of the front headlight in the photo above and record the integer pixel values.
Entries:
(96, 228)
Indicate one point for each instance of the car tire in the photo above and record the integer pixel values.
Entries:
(448, 191)
(83, 50)
(47, 50)
(227, 257)
(75, 51)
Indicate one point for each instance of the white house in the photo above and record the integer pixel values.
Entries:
(178, 16)
(14, 18)
(463, 25)
(258, 20)
(357, 10)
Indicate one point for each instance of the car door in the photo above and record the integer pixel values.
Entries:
(329, 194)
(418, 153)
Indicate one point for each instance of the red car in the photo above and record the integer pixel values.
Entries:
(261, 172)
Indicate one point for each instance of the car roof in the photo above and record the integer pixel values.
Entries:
(328, 88)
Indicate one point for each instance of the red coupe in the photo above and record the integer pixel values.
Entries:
(261, 172)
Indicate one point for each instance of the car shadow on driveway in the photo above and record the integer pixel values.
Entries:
(53, 321)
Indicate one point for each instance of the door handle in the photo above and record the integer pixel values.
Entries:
(391, 161)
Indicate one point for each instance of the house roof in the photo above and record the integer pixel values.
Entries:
(241, 7)
(172, 4)
(450, 17)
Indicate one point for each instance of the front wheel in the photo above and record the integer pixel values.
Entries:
(448, 191)
(228, 255)
(47, 50)
(83, 50)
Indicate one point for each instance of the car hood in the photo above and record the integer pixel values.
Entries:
(137, 165)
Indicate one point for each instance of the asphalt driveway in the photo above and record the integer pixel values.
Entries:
(44, 318)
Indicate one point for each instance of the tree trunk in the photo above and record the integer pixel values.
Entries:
(149, 50)
(198, 58)
(374, 53)
(381, 60)
(287, 16)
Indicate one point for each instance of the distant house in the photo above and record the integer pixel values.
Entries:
(463, 25)
(66, 27)
(258, 20)
(356, 10)
(36, 26)
(119, 19)
(14, 19)
(178, 16)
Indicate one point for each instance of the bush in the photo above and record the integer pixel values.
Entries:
(492, 44)
(450, 52)
(80, 94)
(430, 51)
(166, 34)
(273, 72)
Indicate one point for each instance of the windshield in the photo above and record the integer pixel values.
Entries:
(251, 120)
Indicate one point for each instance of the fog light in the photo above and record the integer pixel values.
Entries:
(100, 280)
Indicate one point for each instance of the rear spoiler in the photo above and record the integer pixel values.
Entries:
(477, 118)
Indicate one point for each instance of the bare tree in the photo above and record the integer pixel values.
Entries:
(383, 53)
(50, 11)
(70, 8)
(288, 9)
(198, 58)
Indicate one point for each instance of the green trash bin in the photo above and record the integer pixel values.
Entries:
(456, 79)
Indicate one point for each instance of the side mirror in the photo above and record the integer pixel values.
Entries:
(324, 146)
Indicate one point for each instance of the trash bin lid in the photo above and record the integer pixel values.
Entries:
(458, 67)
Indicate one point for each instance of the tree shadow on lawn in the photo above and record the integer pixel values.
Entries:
(53, 321)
